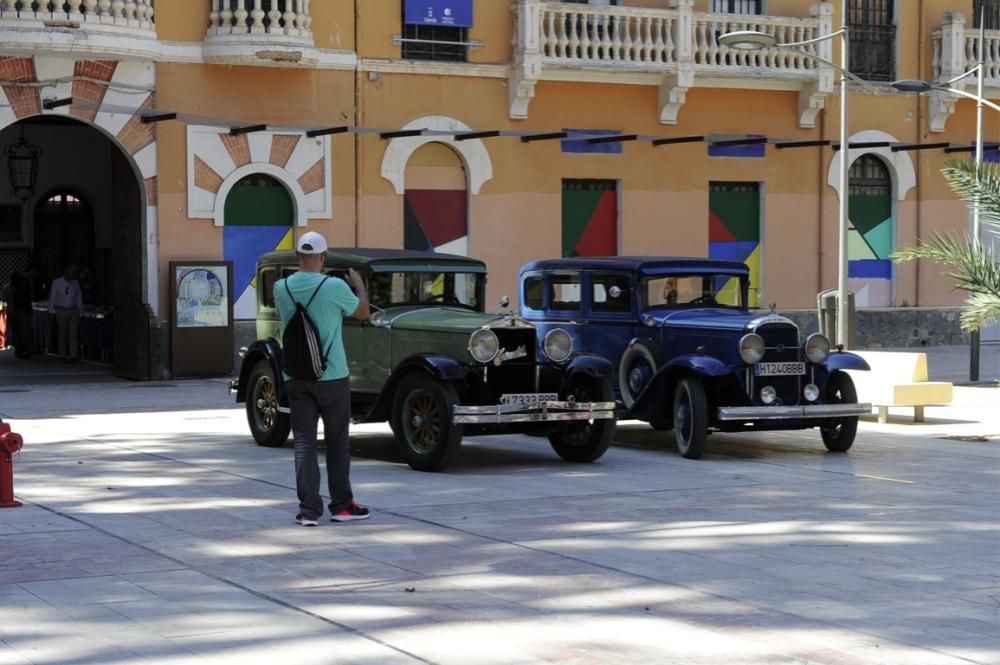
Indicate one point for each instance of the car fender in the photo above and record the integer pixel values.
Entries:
(262, 349)
(659, 392)
(588, 364)
(845, 360)
(443, 368)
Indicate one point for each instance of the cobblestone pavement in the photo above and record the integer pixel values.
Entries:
(155, 531)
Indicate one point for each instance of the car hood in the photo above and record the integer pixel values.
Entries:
(444, 319)
(719, 318)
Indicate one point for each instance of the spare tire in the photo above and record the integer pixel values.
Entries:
(636, 369)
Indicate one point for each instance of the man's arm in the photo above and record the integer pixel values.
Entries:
(362, 312)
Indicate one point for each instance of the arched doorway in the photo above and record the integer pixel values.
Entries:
(259, 217)
(87, 208)
(872, 234)
(436, 203)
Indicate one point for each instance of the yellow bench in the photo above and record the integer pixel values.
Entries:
(899, 379)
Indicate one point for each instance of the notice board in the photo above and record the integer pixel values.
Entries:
(201, 318)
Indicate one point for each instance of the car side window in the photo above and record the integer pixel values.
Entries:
(611, 293)
(534, 292)
(564, 293)
(267, 280)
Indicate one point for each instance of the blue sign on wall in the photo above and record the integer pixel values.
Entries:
(450, 13)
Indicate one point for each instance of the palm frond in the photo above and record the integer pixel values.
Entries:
(981, 310)
(975, 269)
(976, 184)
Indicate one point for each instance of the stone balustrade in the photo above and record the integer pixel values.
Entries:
(136, 14)
(260, 32)
(668, 47)
(275, 18)
(956, 51)
(101, 28)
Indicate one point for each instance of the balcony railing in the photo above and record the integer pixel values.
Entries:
(260, 32)
(667, 47)
(112, 27)
(956, 51)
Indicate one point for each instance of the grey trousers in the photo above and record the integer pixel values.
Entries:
(68, 328)
(331, 401)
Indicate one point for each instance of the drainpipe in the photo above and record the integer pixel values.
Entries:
(358, 122)
(921, 46)
(821, 190)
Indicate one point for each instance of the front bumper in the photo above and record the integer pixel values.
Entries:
(793, 412)
(536, 413)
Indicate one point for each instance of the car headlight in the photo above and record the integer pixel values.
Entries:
(484, 345)
(558, 345)
(752, 348)
(817, 348)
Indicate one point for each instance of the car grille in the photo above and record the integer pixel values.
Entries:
(782, 342)
(517, 375)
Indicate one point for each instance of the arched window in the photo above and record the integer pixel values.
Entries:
(436, 204)
(872, 233)
(259, 216)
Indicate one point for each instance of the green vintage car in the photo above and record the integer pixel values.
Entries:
(434, 364)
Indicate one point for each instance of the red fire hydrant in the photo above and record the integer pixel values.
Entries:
(10, 443)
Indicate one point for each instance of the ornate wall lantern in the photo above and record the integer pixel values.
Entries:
(22, 167)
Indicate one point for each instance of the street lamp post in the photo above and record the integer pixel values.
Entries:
(981, 101)
(749, 40)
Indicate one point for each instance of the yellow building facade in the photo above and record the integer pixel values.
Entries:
(509, 131)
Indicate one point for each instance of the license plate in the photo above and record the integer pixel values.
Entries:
(780, 369)
(528, 398)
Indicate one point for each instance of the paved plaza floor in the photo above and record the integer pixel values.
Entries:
(155, 531)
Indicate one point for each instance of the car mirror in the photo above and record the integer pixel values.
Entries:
(377, 318)
(504, 302)
(614, 292)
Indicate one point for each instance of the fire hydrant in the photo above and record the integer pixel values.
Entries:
(10, 443)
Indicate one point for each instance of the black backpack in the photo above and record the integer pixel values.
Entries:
(301, 354)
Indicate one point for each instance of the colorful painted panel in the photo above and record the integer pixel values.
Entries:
(258, 219)
(734, 232)
(436, 220)
(870, 236)
(590, 218)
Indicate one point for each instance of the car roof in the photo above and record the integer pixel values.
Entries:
(362, 256)
(644, 264)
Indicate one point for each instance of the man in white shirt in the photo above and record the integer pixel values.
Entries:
(66, 302)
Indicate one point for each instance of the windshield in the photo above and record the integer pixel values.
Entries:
(704, 290)
(390, 289)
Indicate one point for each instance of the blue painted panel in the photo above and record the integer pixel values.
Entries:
(243, 245)
(582, 145)
(758, 150)
(450, 13)
(869, 269)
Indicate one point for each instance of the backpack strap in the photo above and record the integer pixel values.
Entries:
(315, 293)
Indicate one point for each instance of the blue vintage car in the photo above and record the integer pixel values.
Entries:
(691, 356)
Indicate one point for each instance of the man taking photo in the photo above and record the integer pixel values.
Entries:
(327, 300)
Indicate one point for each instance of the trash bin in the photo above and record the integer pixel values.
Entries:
(826, 304)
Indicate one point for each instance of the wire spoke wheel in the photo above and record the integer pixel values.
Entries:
(268, 425)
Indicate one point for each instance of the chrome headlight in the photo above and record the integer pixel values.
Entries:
(484, 345)
(817, 348)
(558, 345)
(752, 348)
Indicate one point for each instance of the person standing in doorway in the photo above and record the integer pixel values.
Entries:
(20, 315)
(329, 397)
(66, 302)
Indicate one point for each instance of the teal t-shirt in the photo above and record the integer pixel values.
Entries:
(334, 300)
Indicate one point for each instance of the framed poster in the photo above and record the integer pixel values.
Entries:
(10, 223)
(202, 296)
(201, 318)
(449, 13)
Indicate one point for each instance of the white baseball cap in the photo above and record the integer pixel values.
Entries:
(311, 243)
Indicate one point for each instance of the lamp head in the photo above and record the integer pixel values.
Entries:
(748, 40)
(909, 85)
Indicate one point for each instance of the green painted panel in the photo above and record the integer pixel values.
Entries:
(259, 206)
(857, 248)
(739, 212)
(867, 212)
(577, 208)
(880, 239)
